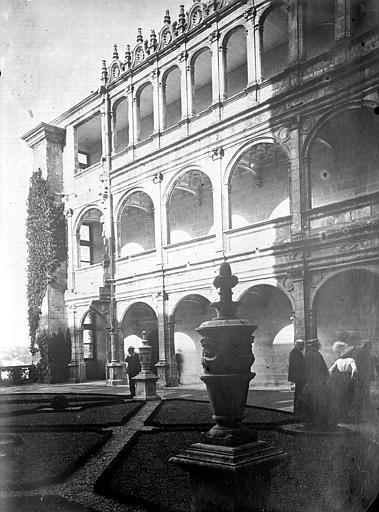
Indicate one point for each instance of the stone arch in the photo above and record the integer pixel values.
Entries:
(275, 57)
(271, 309)
(93, 340)
(138, 317)
(234, 44)
(171, 83)
(145, 110)
(120, 110)
(346, 304)
(189, 206)
(340, 153)
(201, 73)
(89, 237)
(189, 313)
(258, 184)
(135, 224)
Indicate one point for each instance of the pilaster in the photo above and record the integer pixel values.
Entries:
(156, 103)
(185, 89)
(216, 76)
(249, 16)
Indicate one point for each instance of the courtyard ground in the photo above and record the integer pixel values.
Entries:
(103, 432)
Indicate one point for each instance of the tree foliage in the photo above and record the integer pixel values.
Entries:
(47, 246)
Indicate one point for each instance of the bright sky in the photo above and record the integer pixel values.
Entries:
(50, 59)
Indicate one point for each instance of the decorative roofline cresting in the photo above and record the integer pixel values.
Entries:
(170, 31)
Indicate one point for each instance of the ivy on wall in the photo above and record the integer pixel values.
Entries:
(47, 246)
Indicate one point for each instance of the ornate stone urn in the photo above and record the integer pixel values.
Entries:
(227, 359)
(229, 470)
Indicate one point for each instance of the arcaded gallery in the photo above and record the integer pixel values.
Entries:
(240, 131)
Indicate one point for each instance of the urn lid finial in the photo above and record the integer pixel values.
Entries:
(225, 281)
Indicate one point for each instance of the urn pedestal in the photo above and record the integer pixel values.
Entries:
(146, 380)
(231, 469)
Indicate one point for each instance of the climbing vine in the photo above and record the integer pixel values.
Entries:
(47, 246)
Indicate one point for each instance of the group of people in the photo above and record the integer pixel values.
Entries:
(327, 396)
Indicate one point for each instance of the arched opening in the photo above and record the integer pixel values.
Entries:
(90, 239)
(343, 157)
(94, 346)
(364, 15)
(190, 207)
(121, 125)
(89, 140)
(319, 27)
(275, 43)
(172, 97)
(347, 308)
(259, 186)
(202, 80)
(138, 318)
(235, 61)
(189, 314)
(136, 225)
(145, 107)
(270, 309)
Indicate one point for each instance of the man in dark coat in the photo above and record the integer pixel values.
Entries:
(296, 373)
(316, 393)
(133, 368)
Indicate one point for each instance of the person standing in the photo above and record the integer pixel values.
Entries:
(296, 373)
(342, 378)
(366, 365)
(316, 391)
(133, 368)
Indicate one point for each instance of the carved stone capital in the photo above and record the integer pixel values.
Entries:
(214, 36)
(250, 13)
(129, 89)
(182, 56)
(154, 74)
(217, 153)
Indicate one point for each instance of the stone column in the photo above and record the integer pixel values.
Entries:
(249, 15)
(216, 156)
(162, 105)
(166, 366)
(131, 114)
(216, 78)
(190, 89)
(293, 32)
(185, 91)
(258, 44)
(291, 137)
(136, 119)
(155, 83)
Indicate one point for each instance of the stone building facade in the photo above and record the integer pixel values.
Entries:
(243, 130)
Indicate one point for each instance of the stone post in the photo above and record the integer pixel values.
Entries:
(230, 470)
(146, 380)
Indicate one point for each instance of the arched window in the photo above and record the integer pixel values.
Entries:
(121, 125)
(89, 142)
(202, 80)
(145, 111)
(343, 157)
(364, 15)
(190, 207)
(319, 27)
(90, 240)
(172, 97)
(136, 225)
(274, 41)
(259, 186)
(235, 61)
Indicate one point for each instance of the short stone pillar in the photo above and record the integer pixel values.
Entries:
(146, 380)
(230, 469)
